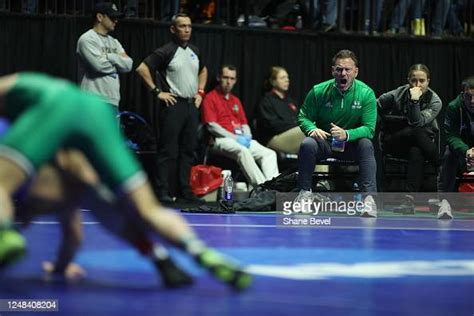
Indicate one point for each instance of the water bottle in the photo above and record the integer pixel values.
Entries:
(299, 22)
(338, 145)
(221, 191)
(228, 188)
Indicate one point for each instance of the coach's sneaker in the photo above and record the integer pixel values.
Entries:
(407, 207)
(434, 204)
(370, 208)
(12, 246)
(224, 270)
(305, 200)
(444, 211)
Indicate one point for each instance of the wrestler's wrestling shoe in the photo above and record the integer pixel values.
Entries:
(224, 269)
(172, 275)
(12, 246)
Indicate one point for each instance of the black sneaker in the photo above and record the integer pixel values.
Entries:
(188, 197)
(165, 198)
(407, 207)
(171, 274)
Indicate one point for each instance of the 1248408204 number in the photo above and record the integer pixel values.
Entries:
(31, 305)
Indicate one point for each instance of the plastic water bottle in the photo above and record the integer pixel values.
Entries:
(228, 188)
(338, 145)
(299, 22)
(221, 191)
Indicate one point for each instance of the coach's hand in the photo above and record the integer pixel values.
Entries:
(319, 134)
(337, 132)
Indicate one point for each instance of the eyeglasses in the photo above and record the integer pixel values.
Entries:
(339, 69)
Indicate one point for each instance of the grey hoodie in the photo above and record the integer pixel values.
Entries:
(423, 114)
(100, 62)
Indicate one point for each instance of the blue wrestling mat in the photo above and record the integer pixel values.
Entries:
(349, 266)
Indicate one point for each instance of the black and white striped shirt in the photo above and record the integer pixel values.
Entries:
(179, 67)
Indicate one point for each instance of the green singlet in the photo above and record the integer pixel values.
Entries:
(49, 114)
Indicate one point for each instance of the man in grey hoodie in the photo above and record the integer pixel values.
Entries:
(102, 57)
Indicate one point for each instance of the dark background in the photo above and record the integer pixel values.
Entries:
(48, 43)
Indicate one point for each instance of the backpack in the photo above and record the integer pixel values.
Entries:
(285, 182)
(263, 201)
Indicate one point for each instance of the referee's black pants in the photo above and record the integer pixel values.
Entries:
(177, 143)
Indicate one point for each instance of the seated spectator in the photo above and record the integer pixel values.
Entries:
(276, 117)
(459, 153)
(412, 134)
(225, 119)
(338, 117)
(459, 130)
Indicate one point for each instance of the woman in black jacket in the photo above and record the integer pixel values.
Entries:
(409, 115)
(276, 117)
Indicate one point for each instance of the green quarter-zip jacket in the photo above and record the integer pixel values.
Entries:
(457, 127)
(355, 110)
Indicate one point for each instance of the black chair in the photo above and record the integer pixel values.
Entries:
(390, 167)
(140, 138)
(206, 157)
(343, 174)
(138, 132)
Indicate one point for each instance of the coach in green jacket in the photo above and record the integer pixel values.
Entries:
(338, 117)
(459, 130)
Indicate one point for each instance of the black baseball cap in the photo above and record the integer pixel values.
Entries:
(108, 8)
